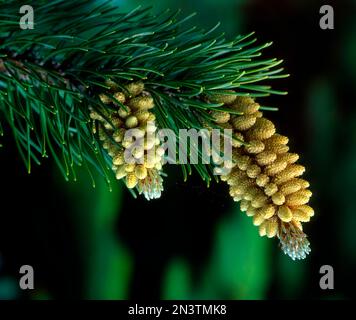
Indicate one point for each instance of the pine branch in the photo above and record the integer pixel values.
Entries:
(51, 75)
(73, 86)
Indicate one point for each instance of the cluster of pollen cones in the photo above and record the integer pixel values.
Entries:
(128, 133)
(265, 177)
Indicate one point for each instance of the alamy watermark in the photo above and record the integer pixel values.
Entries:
(327, 280)
(27, 20)
(26, 281)
(193, 146)
(327, 20)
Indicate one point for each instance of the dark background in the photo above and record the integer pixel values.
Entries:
(87, 243)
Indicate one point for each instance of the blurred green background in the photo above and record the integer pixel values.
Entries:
(194, 243)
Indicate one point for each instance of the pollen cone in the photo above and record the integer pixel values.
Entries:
(265, 177)
(128, 133)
